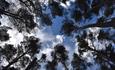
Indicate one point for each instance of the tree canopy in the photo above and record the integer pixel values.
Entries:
(89, 25)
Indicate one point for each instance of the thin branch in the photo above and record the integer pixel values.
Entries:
(102, 25)
(31, 64)
(16, 59)
(32, 4)
(64, 65)
(25, 4)
(11, 14)
(103, 55)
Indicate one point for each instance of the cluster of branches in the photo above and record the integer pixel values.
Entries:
(103, 57)
(23, 19)
(31, 48)
(85, 10)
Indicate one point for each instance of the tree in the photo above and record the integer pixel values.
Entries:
(4, 36)
(31, 48)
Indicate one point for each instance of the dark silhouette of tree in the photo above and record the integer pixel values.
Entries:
(68, 27)
(31, 47)
(83, 5)
(23, 20)
(46, 19)
(11, 68)
(4, 36)
(109, 11)
(56, 9)
(43, 58)
(78, 63)
(77, 15)
(103, 57)
(33, 65)
(24, 61)
(51, 65)
(9, 51)
(4, 4)
(102, 35)
(63, 1)
(60, 52)
(26, 22)
(59, 55)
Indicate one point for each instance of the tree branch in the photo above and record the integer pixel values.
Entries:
(15, 60)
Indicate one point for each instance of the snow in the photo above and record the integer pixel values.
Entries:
(47, 51)
(88, 56)
(3, 62)
(15, 37)
(4, 20)
(15, 5)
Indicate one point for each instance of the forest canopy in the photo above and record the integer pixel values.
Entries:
(57, 34)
